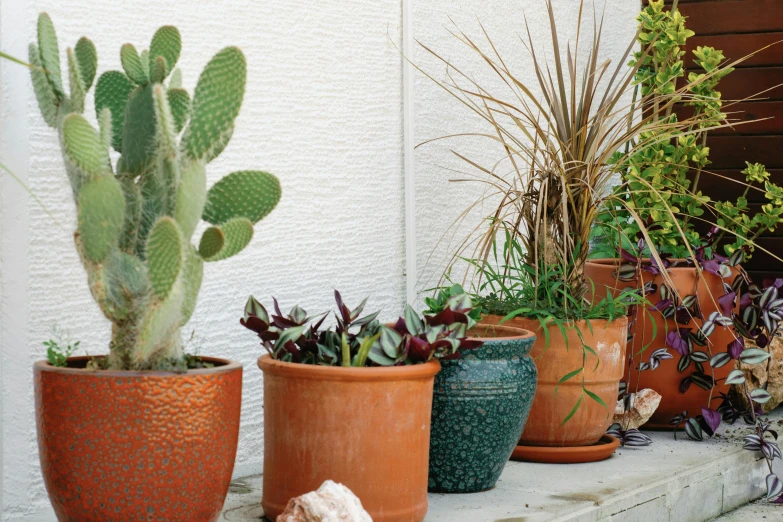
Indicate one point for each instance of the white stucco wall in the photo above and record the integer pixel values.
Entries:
(323, 110)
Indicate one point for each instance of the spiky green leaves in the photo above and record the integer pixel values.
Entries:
(87, 58)
(47, 99)
(165, 248)
(112, 91)
(249, 193)
(226, 240)
(83, 147)
(131, 63)
(166, 43)
(119, 284)
(101, 210)
(138, 133)
(216, 104)
(50, 53)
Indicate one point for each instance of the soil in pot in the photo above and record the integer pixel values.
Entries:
(125, 445)
(480, 406)
(554, 400)
(366, 428)
(667, 378)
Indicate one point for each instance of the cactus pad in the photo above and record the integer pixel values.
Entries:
(138, 133)
(101, 213)
(191, 282)
(216, 103)
(47, 100)
(191, 195)
(112, 91)
(131, 63)
(212, 241)
(236, 233)
(87, 58)
(130, 225)
(165, 249)
(50, 54)
(175, 81)
(160, 324)
(179, 102)
(167, 43)
(158, 70)
(249, 193)
(78, 91)
(82, 145)
(119, 284)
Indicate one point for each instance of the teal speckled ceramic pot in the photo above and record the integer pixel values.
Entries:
(479, 409)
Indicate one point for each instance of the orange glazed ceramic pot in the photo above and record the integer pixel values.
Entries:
(666, 378)
(367, 428)
(545, 423)
(117, 446)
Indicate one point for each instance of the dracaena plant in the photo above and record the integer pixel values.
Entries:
(360, 341)
(136, 216)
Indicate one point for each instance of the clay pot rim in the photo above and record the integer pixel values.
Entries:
(226, 365)
(622, 321)
(409, 372)
(515, 333)
(614, 262)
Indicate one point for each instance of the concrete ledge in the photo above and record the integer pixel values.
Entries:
(669, 481)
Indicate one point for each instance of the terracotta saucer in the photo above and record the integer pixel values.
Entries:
(601, 450)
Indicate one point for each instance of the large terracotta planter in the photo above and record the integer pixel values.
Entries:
(367, 428)
(122, 445)
(666, 378)
(480, 406)
(545, 423)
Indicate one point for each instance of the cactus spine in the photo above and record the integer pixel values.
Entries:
(136, 218)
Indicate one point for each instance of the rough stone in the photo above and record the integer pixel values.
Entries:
(645, 404)
(332, 502)
(760, 375)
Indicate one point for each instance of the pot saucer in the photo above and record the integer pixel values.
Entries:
(601, 450)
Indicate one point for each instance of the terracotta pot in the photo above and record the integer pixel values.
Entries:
(666, 378)
(480, 407)
(545, 423)
(124, 445)
(366, 428)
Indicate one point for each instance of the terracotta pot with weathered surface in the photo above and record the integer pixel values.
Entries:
(366, 428)
(124, 445)
(555, 360)
(666, 378)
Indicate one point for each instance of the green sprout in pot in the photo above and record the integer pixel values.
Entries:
(136, 216)
(359, 341)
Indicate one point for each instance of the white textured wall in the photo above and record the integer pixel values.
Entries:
(323, 111)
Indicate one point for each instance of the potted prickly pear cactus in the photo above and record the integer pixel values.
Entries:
(146, 430)
(340, 402)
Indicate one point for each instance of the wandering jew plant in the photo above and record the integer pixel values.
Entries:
(136, 216)
(360, 341)
(751, 312)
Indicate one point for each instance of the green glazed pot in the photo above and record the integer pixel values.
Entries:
(479, 409)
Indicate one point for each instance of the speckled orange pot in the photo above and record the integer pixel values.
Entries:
(367, 428)
(117, 446)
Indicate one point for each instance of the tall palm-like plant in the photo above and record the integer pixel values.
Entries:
(559, 151)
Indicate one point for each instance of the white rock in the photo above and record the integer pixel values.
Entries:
(332, 502)
(645, 403)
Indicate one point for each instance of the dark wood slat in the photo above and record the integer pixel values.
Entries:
(736, 46)
(749, 82)
(739, 16)
(731, 152)
(745, 114)
(715, 185)
(762, 261)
